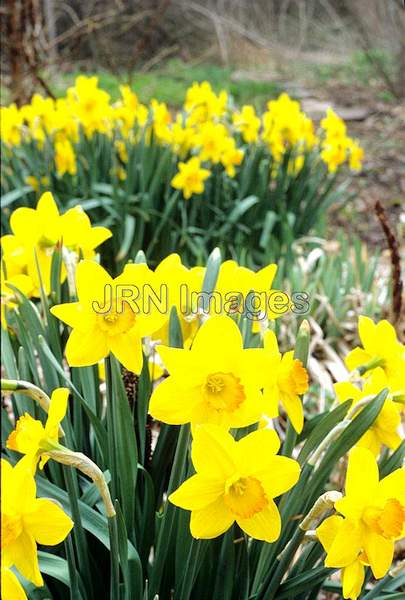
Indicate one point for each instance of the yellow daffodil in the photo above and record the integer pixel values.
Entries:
(31, 438)
(109, 315)
(235, 481)
(217, 381)
(287, 380)
(211, 140)
(65, 158)
(353, 573)
(373, 515)
(11, 125)
(381, 348)
(190, 178)
(203, 104)
(385, 429)
(26, 521)
(91, 105)
(247, 123)
(37, 232)
(231, 156)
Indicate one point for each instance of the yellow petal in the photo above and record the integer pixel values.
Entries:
(219, 331)
(213, 451)
(47, 207)
(57, 411)
(48, 524)
(171, 403)
(328, 529)
(257, 449)
(24, 556)
(380, 552)
(176, 360)
(91, 282)
(211, 521)
(96, 236)
(352, 580)
(264, 525)
(73, 314)
(86, 348)
(362, 475)
(347, 391)
(282, 474)
(346, 546)
(24, 223)
(127, 347)
(197, 492)
(294, 410)
(270, 342)
(367, 333)
(11, 588)
(356, 358)
(392, 486)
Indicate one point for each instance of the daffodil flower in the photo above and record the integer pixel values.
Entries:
(31, 438)
(37, 232)
(235, 482)
(287, 380)
(217, 381)
(190, 177)
(373, 514)
(385, 429)
(27, 521)
(381, 348)
(106, 319)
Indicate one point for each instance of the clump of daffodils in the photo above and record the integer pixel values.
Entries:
(205, 134)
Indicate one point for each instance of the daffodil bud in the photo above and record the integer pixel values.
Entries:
(321, 506)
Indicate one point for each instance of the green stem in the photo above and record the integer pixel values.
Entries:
(110, 428)
(115, 568)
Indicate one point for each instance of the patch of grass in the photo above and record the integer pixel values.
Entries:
(170, 82)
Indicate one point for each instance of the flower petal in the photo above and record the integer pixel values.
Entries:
(86, 348)
(294, 410)
(362, 475)
(11, 588)
(213, 451)
(171, 403)
(23, 553)
(218, 332)
(346, 546)
(380, 552)
(352, 580)
(48, 524)
(264, 525)
(74, 315)
(197, 492)
(328, 529)
(281, 475)
(211, 521)
(57, 411)
(392, 486)
(91, 282)
(127, 347)
(257, 449)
